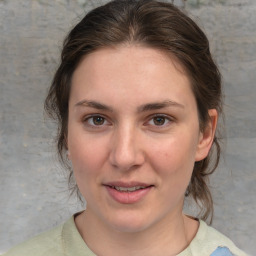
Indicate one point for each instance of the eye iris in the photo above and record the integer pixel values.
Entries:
(159, 120)
(98, 120)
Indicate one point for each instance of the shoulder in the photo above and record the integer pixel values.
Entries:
(209, 241)
(62, 240)
(45, 244)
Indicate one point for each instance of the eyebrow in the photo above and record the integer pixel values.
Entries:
(94, 104)
(159, 105)
(142, 108)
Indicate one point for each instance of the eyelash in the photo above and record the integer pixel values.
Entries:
(167, 121)
(86, 120)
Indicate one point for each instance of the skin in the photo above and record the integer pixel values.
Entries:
(125, 141)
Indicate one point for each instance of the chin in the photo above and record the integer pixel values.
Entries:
(130, 222)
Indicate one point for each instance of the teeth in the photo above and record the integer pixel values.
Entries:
(128, 189)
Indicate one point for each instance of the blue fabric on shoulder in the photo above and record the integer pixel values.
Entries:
(222, 251)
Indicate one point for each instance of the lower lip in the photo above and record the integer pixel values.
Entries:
(128, 197)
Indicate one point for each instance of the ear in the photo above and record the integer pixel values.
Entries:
(206, 137)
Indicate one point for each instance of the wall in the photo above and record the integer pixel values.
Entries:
(34, 195)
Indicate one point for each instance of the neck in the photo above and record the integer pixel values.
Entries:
(168, 237)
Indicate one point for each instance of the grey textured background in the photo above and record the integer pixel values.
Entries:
(34, 195)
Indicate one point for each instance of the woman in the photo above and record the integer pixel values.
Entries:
(137, 96)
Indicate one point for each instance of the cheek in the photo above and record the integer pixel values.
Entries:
(173, 156)
(86, 154)
(87, 161)
(173, 160)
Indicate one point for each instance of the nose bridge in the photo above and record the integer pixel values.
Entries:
(125, 150)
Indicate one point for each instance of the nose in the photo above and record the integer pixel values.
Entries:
(126, 150)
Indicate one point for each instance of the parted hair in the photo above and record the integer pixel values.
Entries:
(154, 24)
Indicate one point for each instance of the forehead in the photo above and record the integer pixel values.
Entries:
(128, 55)
(137, 72)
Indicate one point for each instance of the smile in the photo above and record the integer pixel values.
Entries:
(128, 193)
(131, 189)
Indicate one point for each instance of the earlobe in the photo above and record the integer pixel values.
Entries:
(207, 136)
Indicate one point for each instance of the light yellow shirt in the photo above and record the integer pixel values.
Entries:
(66, 240)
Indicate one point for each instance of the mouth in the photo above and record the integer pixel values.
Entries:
(128, 193)
(129, 189)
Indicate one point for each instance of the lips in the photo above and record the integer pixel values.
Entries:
(128, 193)
(129, 189)
(127, 184)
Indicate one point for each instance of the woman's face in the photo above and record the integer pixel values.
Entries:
(133, 136)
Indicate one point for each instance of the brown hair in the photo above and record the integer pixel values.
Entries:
(155, 24)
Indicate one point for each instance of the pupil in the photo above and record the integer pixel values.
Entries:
(159, 120)
(98, 120)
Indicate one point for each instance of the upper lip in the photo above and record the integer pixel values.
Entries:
(127, 184)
